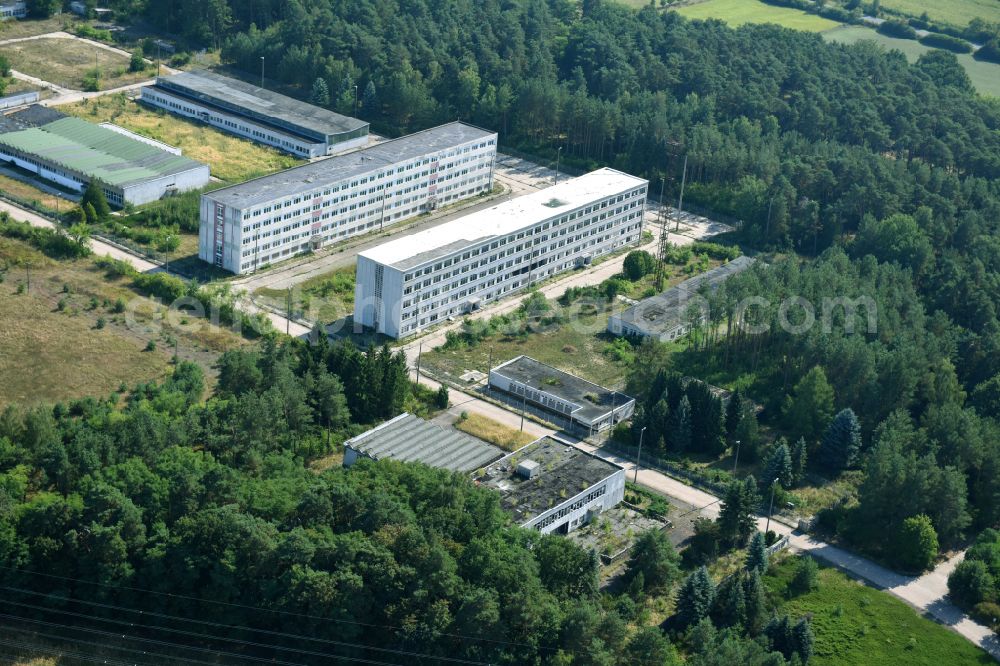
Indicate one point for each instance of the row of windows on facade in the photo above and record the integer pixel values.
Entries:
(579, 504)
(464, 268)
(543, 398)
(111, 195)
(407, 314)
(431, 161)
(473, 252)
(218, 119)
(347, 224)
(508, 267)
(512, 285)
(352, 231)
(373, 203)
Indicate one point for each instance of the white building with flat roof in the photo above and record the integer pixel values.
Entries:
(408, 284)
(262, 221)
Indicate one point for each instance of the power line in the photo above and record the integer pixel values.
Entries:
(230, 604)
(31, 647)
(222, 626)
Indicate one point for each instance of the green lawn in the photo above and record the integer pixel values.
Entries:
(738, 12)
(956, 12)
(857, 624)
(985, 76)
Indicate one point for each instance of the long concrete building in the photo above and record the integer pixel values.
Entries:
(265, 220)
(71, 152)
(408, 284)
(257, 114)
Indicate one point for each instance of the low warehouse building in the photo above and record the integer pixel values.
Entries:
(408, 438)
(71, 152)
(580, 405)
(257, 114)
(554, 487)
(667, 316)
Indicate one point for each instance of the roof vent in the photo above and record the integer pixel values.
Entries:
(528, 469)
(554, 203)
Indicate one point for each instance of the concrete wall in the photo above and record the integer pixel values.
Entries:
(156, 188)
(371, 308)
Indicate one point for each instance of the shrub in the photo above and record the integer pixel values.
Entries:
(989, 52)
(151, 346)
(989, 613)
(894, 28)
(947, 42)
(971, 583)
(917, 544)
(716, 250)
(100, 323)
(806, 576)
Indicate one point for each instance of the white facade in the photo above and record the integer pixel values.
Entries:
(269, 219)
(240, 126)
(408, 284)
(582, 508)
(14, 10)
(136, 193)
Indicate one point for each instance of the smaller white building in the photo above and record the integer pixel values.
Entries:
(563, 398)
(17, 10)
(554, 487)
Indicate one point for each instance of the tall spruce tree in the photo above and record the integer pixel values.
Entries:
(680, 431)
(800, 458)
(779, 466)
(757, 553)
(842, 442)
(695, 599)
(730, 608)
(320, 94)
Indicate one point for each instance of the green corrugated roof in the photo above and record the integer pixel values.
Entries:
(97, 152)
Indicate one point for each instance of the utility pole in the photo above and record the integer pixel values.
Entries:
(737, 459)
(680, 201)
(770, 508)
(661, 258)
(638, 456)
(489, 388)
(555, 178)
(524, 401)
(420, 351)
(355, 100)
(288, 307)
(262, 71)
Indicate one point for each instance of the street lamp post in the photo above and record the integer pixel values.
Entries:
(355, 100)
(737, 459)
(770, 508)
(638, 456)
(262, 71)
(555, 179)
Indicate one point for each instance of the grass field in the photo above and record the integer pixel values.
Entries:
(31, 27)
(856, 624)
(493, 432)
(231, 159)
(49, 354)
(26, 192)
(65, 62)
(324, 298)
(956, 12)
(738, 12)
(985, 76)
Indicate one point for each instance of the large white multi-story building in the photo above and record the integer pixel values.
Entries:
(408, 284)
(262, 221)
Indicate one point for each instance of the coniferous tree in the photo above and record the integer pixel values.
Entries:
(755, 602)
(800, 458)
(94, 196)
(680, 432)
(369, 101)
(757, 553)
(653, 558)
(695, 599)
(779, 466)
(803, 640)
(737, 520)
(730, 607)
(809, 409)
(842, 442)
(320, 94)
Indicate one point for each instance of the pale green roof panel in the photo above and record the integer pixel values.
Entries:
(97, 152)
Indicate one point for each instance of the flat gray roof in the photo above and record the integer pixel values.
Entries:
(664, 312)
(229, 91)
(331, 170)
(564, 472)
(594, 400)
(411, 439)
